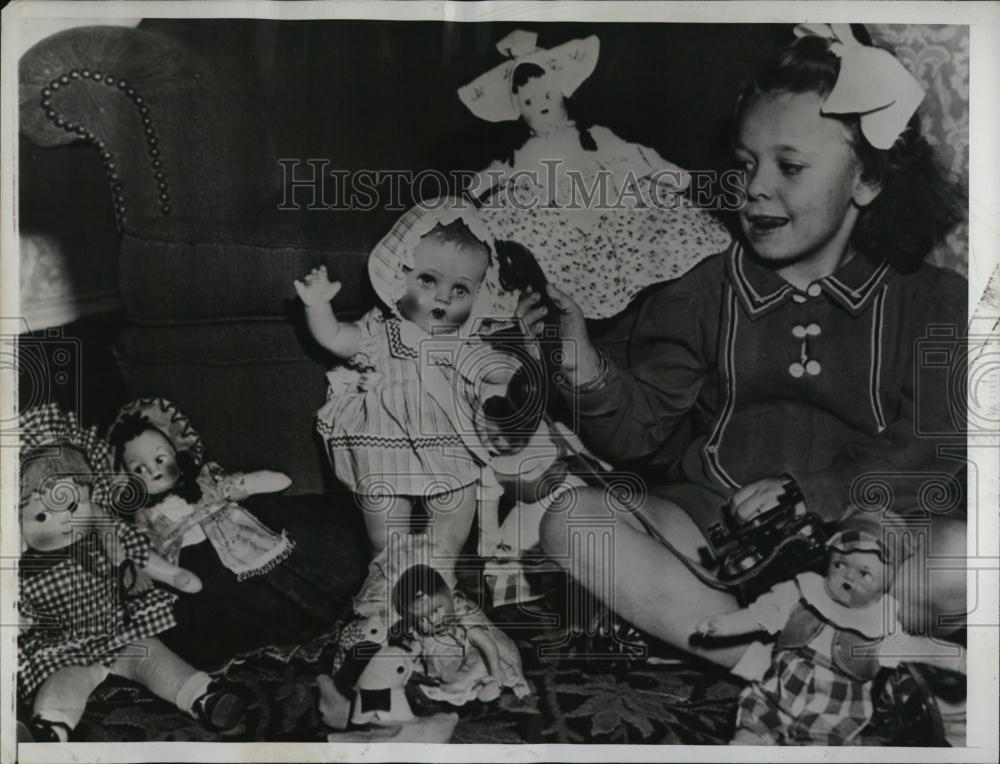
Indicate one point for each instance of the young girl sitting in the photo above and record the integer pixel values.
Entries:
(191, 512)
(87, 607)
(793, 356)
(399, 421)
(814, 686)
(635, 230)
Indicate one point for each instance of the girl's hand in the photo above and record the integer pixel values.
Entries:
(757, 497)
(581, 362)
(316, 288)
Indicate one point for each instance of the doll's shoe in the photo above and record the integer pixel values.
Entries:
(221, 708)
(39, 730)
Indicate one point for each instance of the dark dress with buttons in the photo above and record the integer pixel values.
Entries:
(849, 386)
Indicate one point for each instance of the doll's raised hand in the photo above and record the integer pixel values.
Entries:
(265, 481)
(316, 288)
(158, 569)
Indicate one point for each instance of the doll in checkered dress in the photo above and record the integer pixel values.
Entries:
(813, 686)
(87, 605)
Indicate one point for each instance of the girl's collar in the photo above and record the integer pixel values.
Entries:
(870, 621)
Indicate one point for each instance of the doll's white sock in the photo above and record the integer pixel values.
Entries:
(193, 688)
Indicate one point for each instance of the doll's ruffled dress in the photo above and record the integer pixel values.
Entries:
(398, 420)
(638, 229)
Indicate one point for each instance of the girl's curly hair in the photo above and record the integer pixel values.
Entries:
(918, 204)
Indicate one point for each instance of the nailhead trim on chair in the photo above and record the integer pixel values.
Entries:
(110, 169)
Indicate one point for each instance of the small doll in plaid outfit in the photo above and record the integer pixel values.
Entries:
(813, 686)
(87, 605)
(399, 421)
(635, 229)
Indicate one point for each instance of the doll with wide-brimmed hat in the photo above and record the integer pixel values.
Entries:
(604, 217)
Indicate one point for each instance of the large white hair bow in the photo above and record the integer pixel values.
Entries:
(872, 83)
(490, 97)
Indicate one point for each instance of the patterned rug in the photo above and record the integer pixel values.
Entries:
(663, 700)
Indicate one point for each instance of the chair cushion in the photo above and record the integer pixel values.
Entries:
(175, 271)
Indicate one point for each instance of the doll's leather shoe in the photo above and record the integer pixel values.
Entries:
(39, 730)
(221, 708)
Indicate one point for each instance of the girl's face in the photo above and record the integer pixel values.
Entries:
(542, 103)
(804, 187)
(856, 579)
(46, 518)
(442, 285)
(152, 457)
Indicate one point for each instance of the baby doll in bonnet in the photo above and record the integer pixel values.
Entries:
(87, 605)
(813, 686)
(637, 229)
(192, 513)
(400, 418)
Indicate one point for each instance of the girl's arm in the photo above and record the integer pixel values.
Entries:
(481, 639)
(316, 291)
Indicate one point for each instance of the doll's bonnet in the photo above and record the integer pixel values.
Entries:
(394, 253)
(49, 426)
(168, 419)
(490, 96)
(860, 532)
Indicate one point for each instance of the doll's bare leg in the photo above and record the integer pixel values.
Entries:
(385, 515)
(164, 673)
(172, 575)
(632, 573)
(62, 697)
(451, 520)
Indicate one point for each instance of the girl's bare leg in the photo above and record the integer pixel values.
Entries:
(385, 515)
(606, 550)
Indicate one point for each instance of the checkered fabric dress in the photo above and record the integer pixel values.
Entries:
(79, 615)
(803, 699)
(385, 432)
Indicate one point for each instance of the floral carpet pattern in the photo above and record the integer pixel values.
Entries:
(661, 701)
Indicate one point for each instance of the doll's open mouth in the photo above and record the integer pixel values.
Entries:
(544, 111)
(766, 223)
(438, 313)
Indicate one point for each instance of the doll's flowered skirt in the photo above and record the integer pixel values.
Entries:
(602, 258)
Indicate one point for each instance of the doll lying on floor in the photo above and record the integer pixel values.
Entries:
(453, 661)
(813, 687)
(193, 516)
(86, 601)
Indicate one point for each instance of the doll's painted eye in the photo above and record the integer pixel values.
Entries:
(400, 669)
(41, 517)
(527, 102)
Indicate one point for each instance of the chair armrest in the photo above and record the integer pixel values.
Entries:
(171, 137)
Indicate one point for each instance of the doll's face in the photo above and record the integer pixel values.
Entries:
(433, 613)
(442, 284)
(47, 516)
(152, 457)
(856, 579)
(541, 103)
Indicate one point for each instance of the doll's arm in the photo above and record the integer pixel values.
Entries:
(769, 612)
(172, 575)
(481, 639)
(135, 546)
(901, 647)
(239, 485)
(316, 291)
(484, 181)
